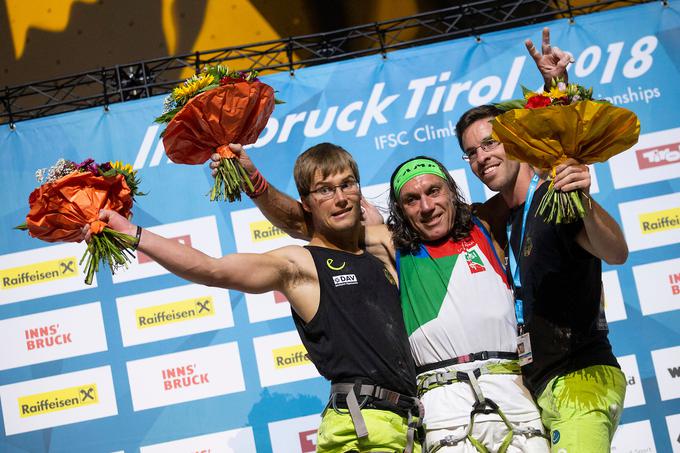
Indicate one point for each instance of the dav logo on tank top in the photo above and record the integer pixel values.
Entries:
(346, 279)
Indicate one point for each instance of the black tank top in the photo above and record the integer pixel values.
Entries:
(358, 332)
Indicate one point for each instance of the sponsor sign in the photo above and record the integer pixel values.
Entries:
(200, 233)
(673, 424)
(185, 376)
(52, 335)
(58, 400)
(173, 312)
(634, 437)
(233, 441)
(651, 222)
(614, 308)
(667, 370)
(658, 286)
(295, 435)
(655, 157)
(282, 358)
(635, 395)
(42, 272)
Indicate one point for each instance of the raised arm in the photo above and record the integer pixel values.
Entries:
(253, 273)
(281, 210)
(551, 61)
(601, 235)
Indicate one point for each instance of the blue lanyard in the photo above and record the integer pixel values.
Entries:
(514, 269)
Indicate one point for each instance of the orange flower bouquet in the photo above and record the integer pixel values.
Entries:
(545, 129)
(211, 110)
(71, 197)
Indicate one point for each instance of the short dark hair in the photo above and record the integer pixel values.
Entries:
(325, 157)
(472, 115)
(404, 236)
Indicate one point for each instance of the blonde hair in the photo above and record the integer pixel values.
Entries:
(328, 158)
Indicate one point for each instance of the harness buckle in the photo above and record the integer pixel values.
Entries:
(388, 395)
(486, 407)
(484, 355)
(467, 358)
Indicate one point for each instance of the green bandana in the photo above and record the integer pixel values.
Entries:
(413, 168)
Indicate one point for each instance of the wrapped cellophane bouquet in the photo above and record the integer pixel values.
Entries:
(208, 112)
(546, 128)
(71, 196)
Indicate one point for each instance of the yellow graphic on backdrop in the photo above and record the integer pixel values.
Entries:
(58, 400)
(51, 16)
(655, 222)
(184, 310)
(35, 273)
(290, 356)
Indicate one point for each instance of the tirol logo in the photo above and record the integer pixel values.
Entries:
(39, 272)
(45, 337)
(160, 315)
(182, 377)
(308, 441)
(658, 156)
(265, 231)
(290, 356)
(474, 262)
(655, 222)
(143, 258)
(346, 279)
(58, 400)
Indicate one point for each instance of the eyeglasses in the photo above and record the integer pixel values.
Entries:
(486, 146)
(327, 192)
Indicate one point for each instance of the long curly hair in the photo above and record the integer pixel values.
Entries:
(405, 237)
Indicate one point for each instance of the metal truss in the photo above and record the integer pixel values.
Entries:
(142, 79)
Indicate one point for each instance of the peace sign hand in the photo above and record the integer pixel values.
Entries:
(552, 62)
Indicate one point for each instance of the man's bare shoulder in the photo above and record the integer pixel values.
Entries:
(377, 234)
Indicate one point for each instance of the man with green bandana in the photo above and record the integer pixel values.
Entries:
(457, 308)
(456, 302)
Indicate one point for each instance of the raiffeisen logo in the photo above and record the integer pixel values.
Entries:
(290, 357)
(39, 272)
(658, 156)
(161, 315)
(265, 231)
(58, 400)
(655, 222)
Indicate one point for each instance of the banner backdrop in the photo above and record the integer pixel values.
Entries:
(144, 361)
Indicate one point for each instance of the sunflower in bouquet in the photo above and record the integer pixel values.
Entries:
(206, 113)
(71, 196)
(546, 128)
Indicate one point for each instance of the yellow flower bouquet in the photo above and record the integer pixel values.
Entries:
(545, 129)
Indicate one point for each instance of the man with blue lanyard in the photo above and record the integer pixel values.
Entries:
(556, 270)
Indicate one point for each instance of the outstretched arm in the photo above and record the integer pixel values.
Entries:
(253, 273)
(551, 61)
(601, 235)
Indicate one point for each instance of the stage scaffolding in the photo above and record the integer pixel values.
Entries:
(125, 82)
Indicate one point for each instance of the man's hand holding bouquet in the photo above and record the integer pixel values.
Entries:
(547, 128)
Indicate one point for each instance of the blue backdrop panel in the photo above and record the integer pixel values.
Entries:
(238, 380)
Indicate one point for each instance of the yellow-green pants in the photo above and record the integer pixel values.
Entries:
(386, 433)
(581, 409)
